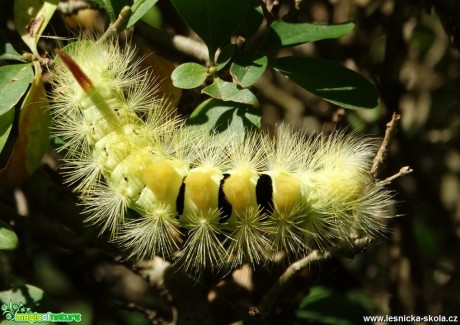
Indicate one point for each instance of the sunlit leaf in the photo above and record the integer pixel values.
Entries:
(14, 81)
(225, 56)
(153, 17)
(248, 68)
(8, 238)
(189, 75)
(228, 91)
(31, 17)
(220, 116)
(27, 294)
(7, 52)
(33, 135)
(140, 8)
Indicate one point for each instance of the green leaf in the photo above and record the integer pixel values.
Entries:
(220, 116)
(326, 306)
(14, 81)
(283, 34)
(228, 91)
(33, 134)
(7, 52)
(27, 294)
(8, 238)
(189, 75)
(108, 7)
(31, 18)
(153, 17)
(214, 21)
(225, 56)
(329, 80)
(6, 123)
(248, 68)
(140, 8)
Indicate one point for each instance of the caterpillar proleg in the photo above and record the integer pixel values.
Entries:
(204, 200)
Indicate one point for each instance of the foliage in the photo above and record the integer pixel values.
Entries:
(349, 307)
(240, 66)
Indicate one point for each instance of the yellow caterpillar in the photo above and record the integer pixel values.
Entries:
(204, 200)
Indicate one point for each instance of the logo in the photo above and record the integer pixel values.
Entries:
(22, 314)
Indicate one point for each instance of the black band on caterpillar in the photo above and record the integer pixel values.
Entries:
(225, 208)
(231, 200)
(180, 199)
(264, 194)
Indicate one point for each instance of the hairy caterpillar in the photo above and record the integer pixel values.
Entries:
(204, 200)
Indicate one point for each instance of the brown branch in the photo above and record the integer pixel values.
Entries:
(295, 268)
(406, 170)
(384, 149)
(266, 11)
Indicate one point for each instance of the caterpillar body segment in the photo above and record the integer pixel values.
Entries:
(204, 200)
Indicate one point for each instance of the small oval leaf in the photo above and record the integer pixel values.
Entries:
(248, 68)
(7, 51)
(14, 81)
(8, 238)
(189, 75)
(329, 80)
(33, 135)
(225, 56)
(228, 91)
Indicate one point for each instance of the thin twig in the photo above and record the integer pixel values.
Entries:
(384, 149)
(295, 268)
(267, 14)
(179, 43)
(118, 25)
(402, 172)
